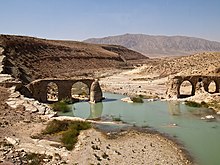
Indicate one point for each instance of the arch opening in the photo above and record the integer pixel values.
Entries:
(52, 92)
(212, 87)
(80, 91)
(186, 89)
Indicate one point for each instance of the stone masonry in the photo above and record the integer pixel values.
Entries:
(197, 82)
(38, 88)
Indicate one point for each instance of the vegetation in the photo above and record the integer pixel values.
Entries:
(69, 131)
(215, 105)
(195, 104)
(36, 159)
(137, 99)
(62, 106)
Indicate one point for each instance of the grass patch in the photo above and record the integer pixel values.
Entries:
(215, 105)
(69, 131)
(61, 106)
(137, 99)
(35, 159)
(193, 104)
(198, 105)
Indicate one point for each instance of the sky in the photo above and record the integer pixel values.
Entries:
(83, 19)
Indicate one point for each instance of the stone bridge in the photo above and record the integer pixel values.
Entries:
(39, 88)
(197, 81)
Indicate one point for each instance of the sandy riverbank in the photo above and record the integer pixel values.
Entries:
(128, 147)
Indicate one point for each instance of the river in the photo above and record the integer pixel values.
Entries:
(201, 138)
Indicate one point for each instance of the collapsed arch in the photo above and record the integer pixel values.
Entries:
(186, 89)
(52, 92)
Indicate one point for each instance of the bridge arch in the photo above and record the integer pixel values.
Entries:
(186, 89)
(39, 89)
(80, 90)
(212, 87)
(198, 82)
(52, 92)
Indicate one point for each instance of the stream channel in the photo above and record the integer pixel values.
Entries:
(200, 137)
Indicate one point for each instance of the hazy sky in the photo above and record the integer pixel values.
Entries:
(82, 19)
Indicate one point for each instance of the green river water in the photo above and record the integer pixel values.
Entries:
(200, 138)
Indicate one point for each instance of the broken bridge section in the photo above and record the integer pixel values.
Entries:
(39, 89)
(198, 82)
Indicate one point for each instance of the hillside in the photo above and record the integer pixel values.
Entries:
(197, 64)
(29, 58)
(160, 45)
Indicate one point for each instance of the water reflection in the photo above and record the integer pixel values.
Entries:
(96, 111)
(174, 108)
(86, 110)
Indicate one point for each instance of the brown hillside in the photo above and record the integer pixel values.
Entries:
(29, 58)
(206, 63)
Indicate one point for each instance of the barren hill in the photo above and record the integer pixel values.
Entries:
(29, 58)
(197, 64)
(160, 45)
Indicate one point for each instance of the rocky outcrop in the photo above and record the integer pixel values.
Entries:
(33, 106)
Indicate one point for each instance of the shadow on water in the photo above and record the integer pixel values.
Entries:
(109, 100)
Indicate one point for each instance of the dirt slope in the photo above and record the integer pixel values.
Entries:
(198, 64)
(29, 58)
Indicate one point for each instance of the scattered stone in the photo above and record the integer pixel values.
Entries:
(12, 141)
(15, 95)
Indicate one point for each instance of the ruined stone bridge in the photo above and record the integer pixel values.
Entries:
(39, 88)
(197, 82)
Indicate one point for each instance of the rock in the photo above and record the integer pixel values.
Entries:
(36, 103)
(127, 99)
(209, 117)
(30, 108)
(218, 113)
(15, 95)
(41, 110)
(12, 141)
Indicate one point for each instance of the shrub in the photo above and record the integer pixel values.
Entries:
(69, 138)
(61, 106)
(204, 104)
(137, 99)
(193, 104)
(56, 126)
(69, 131)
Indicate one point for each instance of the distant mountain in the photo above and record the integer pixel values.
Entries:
(160, 45)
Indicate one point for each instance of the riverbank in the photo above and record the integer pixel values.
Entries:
(128, 147)
(20, 127)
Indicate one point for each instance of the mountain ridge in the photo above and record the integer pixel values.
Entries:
(160, 45)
